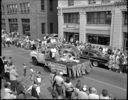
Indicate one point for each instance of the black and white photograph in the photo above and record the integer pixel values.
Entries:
(64, 49)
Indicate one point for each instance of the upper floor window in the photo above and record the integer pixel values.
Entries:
(51, 5)
(105, 1)
(3, 9)
(11, 8)
(99, 17)
(70, 2)
(91, 1)
(42, 5)
(25, 7)
(71, 18)
(3, 24)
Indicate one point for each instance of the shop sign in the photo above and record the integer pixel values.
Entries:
(71, 26)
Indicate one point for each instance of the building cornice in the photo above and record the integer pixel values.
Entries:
(96, 7)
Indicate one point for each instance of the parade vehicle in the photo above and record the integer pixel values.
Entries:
(66, 60)
(95, 57)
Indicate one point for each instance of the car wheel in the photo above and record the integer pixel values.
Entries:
(95, 63)
(34, 60)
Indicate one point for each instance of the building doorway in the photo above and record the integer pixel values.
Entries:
(71, 36)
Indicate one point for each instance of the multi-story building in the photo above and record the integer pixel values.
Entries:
(100, 22)
(33, 17)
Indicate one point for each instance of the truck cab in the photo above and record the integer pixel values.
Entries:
(37, 56)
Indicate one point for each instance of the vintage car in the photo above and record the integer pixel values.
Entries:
(95, 57)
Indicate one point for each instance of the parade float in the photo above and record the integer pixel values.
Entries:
(61, 57)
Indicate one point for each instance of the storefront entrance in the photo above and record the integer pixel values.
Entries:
(125, 41)
(71, 37)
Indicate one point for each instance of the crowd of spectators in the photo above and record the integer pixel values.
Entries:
(17, 40)
(118, 59)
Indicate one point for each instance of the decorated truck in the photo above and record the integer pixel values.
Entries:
(63, 58)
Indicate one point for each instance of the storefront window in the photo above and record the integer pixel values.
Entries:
(13, 24)
(92, 39)
(98, 39)
(103, 40)
(26, 26)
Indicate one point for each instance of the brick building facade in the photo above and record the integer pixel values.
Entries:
(32, 17)
(100, 22)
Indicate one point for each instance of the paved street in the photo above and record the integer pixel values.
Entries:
(100, 78)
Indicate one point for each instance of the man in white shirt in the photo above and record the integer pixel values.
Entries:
(13, 74)
(58, 81)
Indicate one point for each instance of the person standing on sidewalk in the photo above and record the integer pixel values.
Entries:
(32, 74)
(25, 69)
